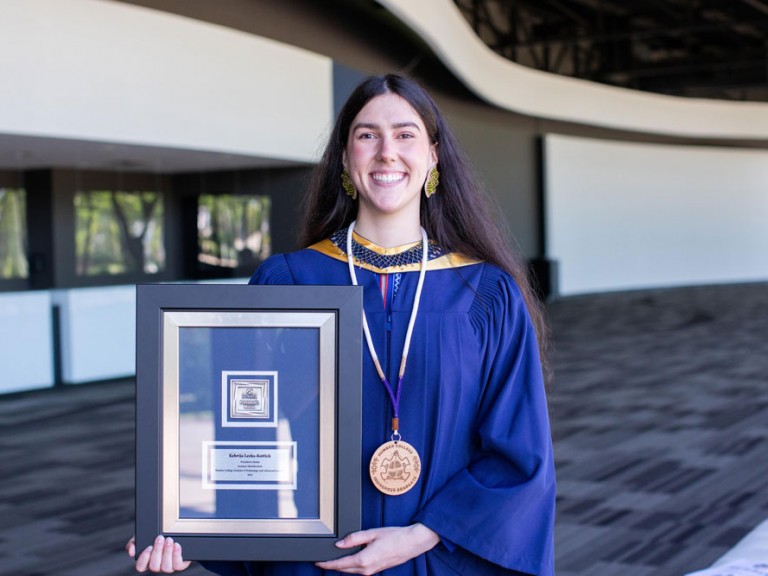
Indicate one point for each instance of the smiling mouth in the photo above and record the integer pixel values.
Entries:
(388, 178)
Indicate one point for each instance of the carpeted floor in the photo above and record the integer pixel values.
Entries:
(660, 419)
(660, 415)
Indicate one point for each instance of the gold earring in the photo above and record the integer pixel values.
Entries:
(430, 185)
(346, 183)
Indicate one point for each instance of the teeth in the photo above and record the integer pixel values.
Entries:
(387, 177)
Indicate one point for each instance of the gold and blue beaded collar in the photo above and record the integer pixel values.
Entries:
(406, 258)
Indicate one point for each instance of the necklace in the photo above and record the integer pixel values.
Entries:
(395, 466)
(386, 260)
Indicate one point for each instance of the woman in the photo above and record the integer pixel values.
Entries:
(452, 367)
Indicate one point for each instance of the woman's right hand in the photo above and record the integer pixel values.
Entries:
(163, 556)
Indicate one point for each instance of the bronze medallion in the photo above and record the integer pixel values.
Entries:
(395, 467)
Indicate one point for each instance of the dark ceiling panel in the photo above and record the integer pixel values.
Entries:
(697, 48)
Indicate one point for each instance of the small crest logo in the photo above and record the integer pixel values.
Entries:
(249, 399)
(396, 468)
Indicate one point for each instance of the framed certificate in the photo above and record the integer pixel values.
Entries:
(248, 419)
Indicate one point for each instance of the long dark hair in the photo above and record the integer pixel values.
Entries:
(457, 217)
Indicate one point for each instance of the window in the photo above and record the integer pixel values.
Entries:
(233, 231)
(13, 234)
(119, 232)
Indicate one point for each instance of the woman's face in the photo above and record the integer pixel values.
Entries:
(388, 155)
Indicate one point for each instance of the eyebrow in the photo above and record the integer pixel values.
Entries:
(372, 126)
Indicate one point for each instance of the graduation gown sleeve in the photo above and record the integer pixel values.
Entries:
(501, 507)
(274, 270)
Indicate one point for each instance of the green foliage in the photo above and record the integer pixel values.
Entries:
(13, 234)
(233, 231)
(119, 232)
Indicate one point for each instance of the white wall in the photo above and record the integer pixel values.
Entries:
(26, 341)
(105, 71)
(98, 333)
(625, 215)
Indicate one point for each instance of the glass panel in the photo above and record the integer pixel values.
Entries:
(119, 232)
(233, 231)
(249, 409)
(13, 233)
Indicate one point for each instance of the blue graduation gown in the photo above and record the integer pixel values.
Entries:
(473, 405)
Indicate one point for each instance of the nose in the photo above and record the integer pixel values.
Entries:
(387, 151)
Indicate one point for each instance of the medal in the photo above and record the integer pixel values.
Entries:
(395, 466)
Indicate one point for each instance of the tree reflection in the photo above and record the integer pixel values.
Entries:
(13, 234)
(119, 232)
(233, 231)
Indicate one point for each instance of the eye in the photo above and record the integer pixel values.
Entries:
(406, 135)
(366, 136)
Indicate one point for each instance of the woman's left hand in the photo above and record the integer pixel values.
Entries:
(383, 548)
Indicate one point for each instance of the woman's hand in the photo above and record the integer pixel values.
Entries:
(163, 556)
(384, 548)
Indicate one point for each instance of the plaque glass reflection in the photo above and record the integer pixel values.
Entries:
(248, 419)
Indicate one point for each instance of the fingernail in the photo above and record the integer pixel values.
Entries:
(159, 540)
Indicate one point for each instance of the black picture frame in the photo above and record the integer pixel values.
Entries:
(177, 325)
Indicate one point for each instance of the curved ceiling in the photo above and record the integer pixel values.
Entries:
(696, 48)
(541, 94)
(86, 94)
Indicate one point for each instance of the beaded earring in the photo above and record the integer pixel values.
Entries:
(433, 179)
(346, 183)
